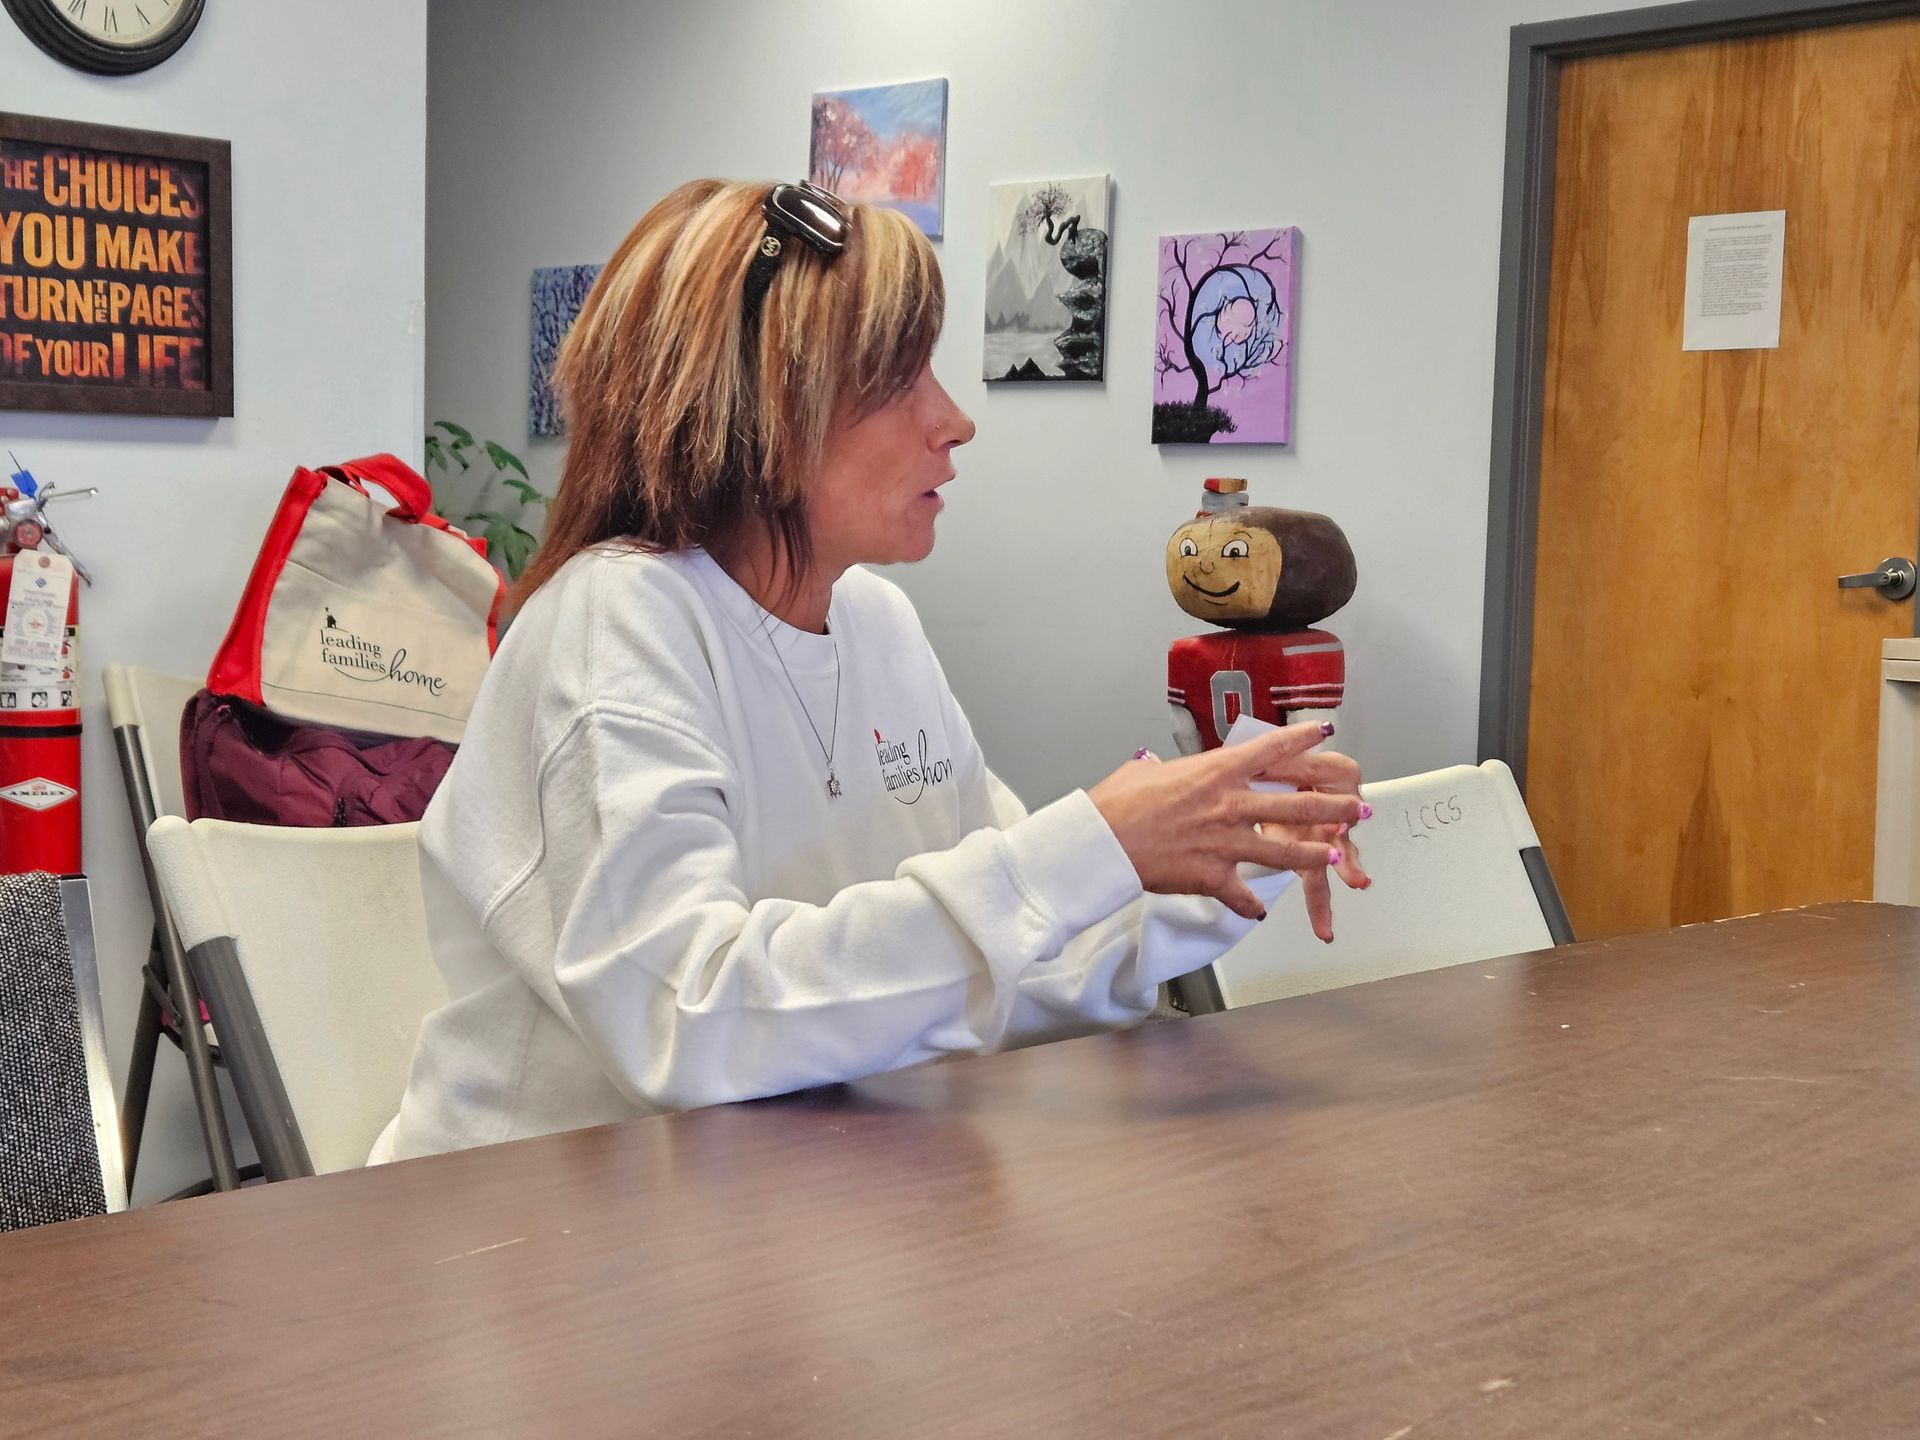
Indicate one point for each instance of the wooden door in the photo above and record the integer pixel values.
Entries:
(1704, 708)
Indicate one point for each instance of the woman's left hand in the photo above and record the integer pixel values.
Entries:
(1333, 774)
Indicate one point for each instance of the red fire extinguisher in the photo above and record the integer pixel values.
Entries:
(39, 701)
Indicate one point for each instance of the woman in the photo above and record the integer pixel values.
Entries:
(718, 828)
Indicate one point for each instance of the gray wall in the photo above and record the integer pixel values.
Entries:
(1374, 125)
(326, 109)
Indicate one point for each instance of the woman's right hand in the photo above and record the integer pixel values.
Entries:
(1187, 824)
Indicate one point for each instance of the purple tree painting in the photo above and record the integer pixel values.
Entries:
(1223, 344)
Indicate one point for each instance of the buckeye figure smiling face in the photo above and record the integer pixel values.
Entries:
(1260, 568)
(1222, 569)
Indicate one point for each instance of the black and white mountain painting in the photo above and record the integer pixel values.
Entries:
(1047, 281)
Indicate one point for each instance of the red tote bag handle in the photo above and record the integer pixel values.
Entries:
(403, 482)
(393, 475)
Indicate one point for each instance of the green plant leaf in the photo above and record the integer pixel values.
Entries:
(519, 548)
(509, 545)
(464, 437)
(495, 534)
(528, 495)
(505, 459)
(436, 456)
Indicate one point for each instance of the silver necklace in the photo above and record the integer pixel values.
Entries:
(827, 746)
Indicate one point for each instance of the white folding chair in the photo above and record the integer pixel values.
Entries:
(1457, 876)
(59, 1136)
(148, 704)
(144, 707)
(311, 949)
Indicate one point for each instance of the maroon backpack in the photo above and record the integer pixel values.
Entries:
(240, 763)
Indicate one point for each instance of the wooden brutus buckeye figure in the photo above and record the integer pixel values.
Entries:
(1265, 576)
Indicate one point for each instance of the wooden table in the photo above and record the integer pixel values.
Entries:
(1660, 1186)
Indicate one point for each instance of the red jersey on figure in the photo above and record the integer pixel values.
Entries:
(1217, 678)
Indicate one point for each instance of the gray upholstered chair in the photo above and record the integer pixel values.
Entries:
(59, 1130)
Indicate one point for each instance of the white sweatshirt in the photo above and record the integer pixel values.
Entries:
(643, 898)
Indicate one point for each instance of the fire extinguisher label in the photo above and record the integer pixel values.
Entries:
(42, 688)
(37, 794)
(36, 609)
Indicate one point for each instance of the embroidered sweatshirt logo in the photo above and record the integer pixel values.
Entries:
(371, 663)
(908, 773)
(37, 794)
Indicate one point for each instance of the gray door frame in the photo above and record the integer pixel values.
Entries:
(1526, 265)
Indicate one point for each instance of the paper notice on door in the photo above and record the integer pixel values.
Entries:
(1734, 267)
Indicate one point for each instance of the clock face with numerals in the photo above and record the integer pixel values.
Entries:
(107, 37)
(122, 22)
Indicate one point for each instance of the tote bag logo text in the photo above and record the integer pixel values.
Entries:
(369, 662)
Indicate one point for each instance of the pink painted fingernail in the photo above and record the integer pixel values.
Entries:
(1344, 827)
(1326, 729)
(1335, 855)
(1263, 915)
(1366, 811)
(1143, 753)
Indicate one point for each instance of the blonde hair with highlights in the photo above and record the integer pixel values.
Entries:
(684, 420)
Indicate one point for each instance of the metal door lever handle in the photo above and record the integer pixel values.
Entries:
(1895, 579)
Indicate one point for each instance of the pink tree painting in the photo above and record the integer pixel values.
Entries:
(885, 145)
(1223, 342)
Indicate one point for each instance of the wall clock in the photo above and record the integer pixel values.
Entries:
(107, 37)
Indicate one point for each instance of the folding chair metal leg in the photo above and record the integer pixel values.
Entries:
(186, 999)
(206, 1085)
(207, 1187)
(269, 1114)
(1199, 992)
(257, 1081)
(1552, 908)
(146, 1046)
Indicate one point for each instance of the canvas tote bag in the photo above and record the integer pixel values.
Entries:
(362, 615)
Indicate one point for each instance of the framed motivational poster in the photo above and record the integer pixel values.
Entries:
(116, 270)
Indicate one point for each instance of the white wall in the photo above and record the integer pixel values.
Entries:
(325, 106)
(1377, 126)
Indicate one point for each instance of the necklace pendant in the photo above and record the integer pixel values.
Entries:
(833, 786)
